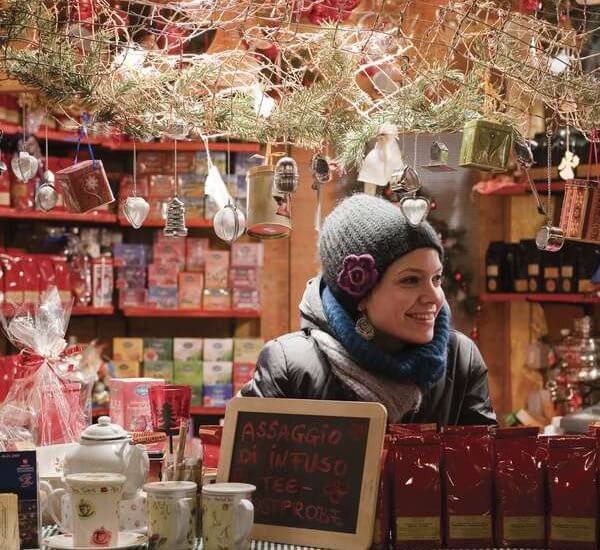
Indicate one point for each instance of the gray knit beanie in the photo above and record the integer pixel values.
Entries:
(362, 227)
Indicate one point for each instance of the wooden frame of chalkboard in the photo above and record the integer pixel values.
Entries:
(316, 466)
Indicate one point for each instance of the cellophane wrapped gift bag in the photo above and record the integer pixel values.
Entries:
(48, 401)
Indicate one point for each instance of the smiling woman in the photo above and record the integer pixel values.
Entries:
(376, 325)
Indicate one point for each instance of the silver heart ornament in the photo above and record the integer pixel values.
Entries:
(136, 211)
(24, 165)
(415, 209)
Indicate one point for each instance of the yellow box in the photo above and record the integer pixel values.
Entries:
(128, 349)
(246, 350)
(127, 369)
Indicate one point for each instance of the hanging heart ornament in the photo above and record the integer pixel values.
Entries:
(415, 209)
(136, 211)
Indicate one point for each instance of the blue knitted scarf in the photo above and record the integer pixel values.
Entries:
(423, 365)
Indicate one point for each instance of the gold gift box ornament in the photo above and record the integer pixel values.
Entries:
(485, 145)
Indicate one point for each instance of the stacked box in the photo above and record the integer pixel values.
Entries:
(159, 369)
(245, 299)
(188, 349)
(190, 373)
(163, 297)
(242, 374)
(218, 349)
(128, 349)
(127, 369)
(216, 299)
(191, 186)
(217, 396)
(158, 349)
(246, 254)
(195, 253)
(247, 350)
(163, 275)
(168, 251)
(161, 186)
(191, 286)
(244, 278)
(132, 297)
(130, 255)
(132, 277)
(194, 208)
(216, 269)
(217, 372)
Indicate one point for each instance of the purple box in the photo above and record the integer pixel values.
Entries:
(19, 476)
(131, 277)
(218, 395)
(163, 297)
(130, 255)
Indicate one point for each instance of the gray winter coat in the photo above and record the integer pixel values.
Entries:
(294, 366)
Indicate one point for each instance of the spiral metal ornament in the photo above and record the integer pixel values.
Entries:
(175, 222)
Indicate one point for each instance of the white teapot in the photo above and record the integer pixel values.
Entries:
(107, 447)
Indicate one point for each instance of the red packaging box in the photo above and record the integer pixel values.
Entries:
(191, 287)
(152, 162)
(14, 280)
(468, 482)
(170, 252)
(519, 482)
(186, 162)
(211, 444)
(47, 278)
(242, 372)
(132, 297)
(31, 280)
(417, 486)
(102, 281)
(246, 254)
(573, 493)
(216, 269)
(62, 277)
(161, 186)
(244, 277)
(163, 275)
(195, 253)
(5, 189)
(246, 299)
(382, 527)
(22, 193)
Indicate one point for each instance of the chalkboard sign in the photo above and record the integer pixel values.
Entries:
(315, 465)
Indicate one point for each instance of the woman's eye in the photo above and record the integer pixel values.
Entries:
(438, 279)
(409, 280)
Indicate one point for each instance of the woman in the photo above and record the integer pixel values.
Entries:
(376, 326)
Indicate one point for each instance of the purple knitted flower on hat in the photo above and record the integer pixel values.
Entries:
(358, 274)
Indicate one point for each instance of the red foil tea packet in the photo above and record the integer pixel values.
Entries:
(383, 511)
(519, 482)
(417, 491)
(468, 481)
(572, 491)
(411, 428)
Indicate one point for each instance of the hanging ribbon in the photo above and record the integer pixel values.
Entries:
(83, 132)
(595, 150)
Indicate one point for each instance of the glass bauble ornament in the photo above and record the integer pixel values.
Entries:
(286, 176)
(24, 165)
(46, 197)
(229, 223)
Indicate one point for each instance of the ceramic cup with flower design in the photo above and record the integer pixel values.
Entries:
(171, 509)
(95, 502)
(227, 516)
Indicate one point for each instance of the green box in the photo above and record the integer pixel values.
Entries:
(158, 349)
(190, 373)
(159, 369)
(485, 145)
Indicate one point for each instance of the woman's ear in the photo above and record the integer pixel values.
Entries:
(362, 305)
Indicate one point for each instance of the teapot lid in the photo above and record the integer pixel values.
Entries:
(104, 431)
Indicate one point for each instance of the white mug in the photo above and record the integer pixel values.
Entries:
(132, 512)
(171, 509)
(95, 499)
(227, 515)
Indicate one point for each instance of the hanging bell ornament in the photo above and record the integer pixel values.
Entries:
(550, 238)
(136, 211)
(24, 165)
(229, 223)
(438, 153)
(175, 223)
(286, 176)
(46, 196)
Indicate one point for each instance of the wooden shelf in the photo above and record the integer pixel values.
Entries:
(190, 224)
(89, 310)
(581, 171)
(196, 411)
(57, 216)
(523, 189)
(156, 312)
(526, 297)
(113, 145)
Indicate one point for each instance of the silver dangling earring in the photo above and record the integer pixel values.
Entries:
(364, 328)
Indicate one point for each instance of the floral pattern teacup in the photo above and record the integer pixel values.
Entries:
(171, 509)
(94, 502)
(227, 516)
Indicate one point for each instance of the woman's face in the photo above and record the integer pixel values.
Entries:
(407, 299)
